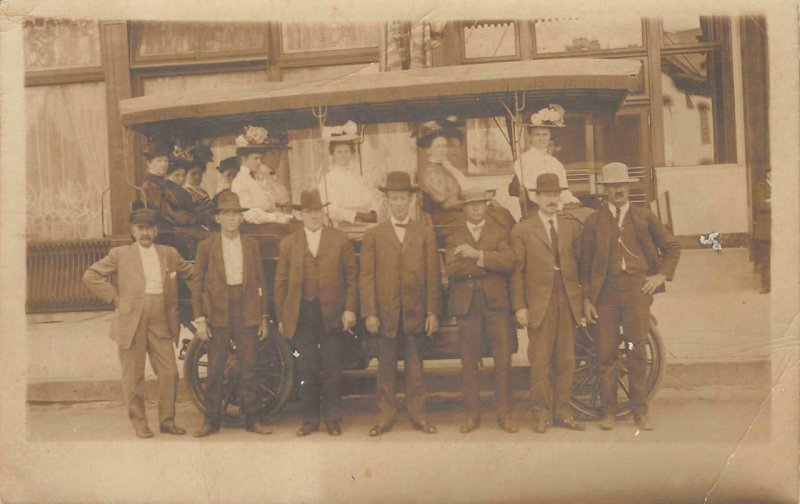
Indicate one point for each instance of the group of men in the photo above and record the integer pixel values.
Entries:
(549, 274)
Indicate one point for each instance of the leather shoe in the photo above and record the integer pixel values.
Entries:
(334, 428)
(380, 429)
(259, 428)
(470, 424)
(205, 430)
(643, 422)
(570, 423)
(507, 425)
(540, 425)
(144, 432)
(306, 429)
(172, 429)
(425, 427)
(607, 422)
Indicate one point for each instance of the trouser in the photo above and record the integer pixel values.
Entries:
(387, 375)
(482, 322)
(551, 351)
(622, 302)
(246, 340)
(319, 365)
(152, 338)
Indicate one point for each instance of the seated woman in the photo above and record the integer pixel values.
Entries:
(159, 157)
(201, 155)
(267, 174)
(441, 183)
(262, 208)
(228, 168)
(352, 198)
(184, 161)
(537, 160)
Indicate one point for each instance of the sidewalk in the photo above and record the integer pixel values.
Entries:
(714, 324)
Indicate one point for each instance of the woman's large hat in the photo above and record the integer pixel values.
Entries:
(398, 181)
(615, 173)
(229, 163)
(157, 147)
(446, 127)
(257, 139)
(228, 200)
(310, 200)
(552, 116)
(347, 132)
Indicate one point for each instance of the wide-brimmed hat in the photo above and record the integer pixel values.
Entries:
(398, 181)
(310, 200)
(228, 200)
(257, 139)
(347, 132)
(142, 215)
(229, 163)
(552, 116)
(446, 127)
(157, 147)
(547, 182)
(615, 173)
(472, 195)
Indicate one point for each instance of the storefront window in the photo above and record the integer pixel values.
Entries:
(581, 35)
(61, 43)
(490, 40)
(160, 40)
(163, 39)
(681, 30)
(308, 37)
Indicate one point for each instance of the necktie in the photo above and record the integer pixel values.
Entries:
(554, 243)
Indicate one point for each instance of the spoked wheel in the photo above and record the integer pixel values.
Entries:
(586, 386)
(274, 372)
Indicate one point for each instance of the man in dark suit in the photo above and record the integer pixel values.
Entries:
(229, 297)
(626, 257)
(316, 294)
(145, 321)
(547, 296)
(478, 261)
(399, 290)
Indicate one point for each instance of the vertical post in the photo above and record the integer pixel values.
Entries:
(652, 30)
(121, 155)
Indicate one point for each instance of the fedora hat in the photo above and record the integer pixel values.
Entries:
(547, 182)
(310, 200)
(472, 195)
(228, 200)
(448, 127)
(615, 173)
(142, 215)
(398, 181)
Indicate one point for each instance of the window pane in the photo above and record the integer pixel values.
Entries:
(488, 151)
(239, 37)
(694, 110)
(490, 40)
(577, 35)
(327, 72)
(61, 43)
(685, 30)
(163, 38)
(301, 37)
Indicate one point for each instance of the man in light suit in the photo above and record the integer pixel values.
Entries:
(478, 261)
(145, 321)
(399, 290)
(316, 294)
(546, 295)
(626, 256)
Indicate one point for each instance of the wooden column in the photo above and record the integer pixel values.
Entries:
(653, 37)
(121, 155)
(755, 94)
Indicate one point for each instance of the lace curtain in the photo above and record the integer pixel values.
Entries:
(67, 162)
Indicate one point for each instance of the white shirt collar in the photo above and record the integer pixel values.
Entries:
(622, 210)
(312, 233)
(238, 238)
(396, 222)
(146, 250)
(546, 220)
(472, 226)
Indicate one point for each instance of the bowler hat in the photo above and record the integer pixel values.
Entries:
(228, 200)
(398, 181)
(472, 195)
(310, 200)
(142, 215)
(547, 182)
(615, 173)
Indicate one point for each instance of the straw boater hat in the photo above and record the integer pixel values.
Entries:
(398, 181)
(547, 182)
(472, 195)
(615, 173)
(347, 132)
(310, 200)
(552, 116)
(448, 127)
(228, 200)
(257, 139)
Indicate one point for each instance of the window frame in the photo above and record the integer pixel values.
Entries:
(321, 58)
(616, 52)
(464, 60)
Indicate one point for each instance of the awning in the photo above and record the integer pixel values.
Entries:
(579, 84)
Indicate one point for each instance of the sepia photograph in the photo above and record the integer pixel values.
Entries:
(462, 258)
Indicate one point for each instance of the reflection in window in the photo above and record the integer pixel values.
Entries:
(159, 39)
(301, 37)
(577, 35)
(490, 39)
(488, 151)
(685, 30)
(61, 43)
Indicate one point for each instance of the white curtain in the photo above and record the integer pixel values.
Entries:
(67, 162)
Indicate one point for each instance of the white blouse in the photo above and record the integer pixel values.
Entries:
(535, 162)
(348, 192)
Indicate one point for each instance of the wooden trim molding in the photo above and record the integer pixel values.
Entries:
(64, 76)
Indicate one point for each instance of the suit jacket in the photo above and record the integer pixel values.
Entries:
(534, 271)
(395, 275)
(128, 289)
(661, 249)
(210, 285)
(338, 278)
(498, 262)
